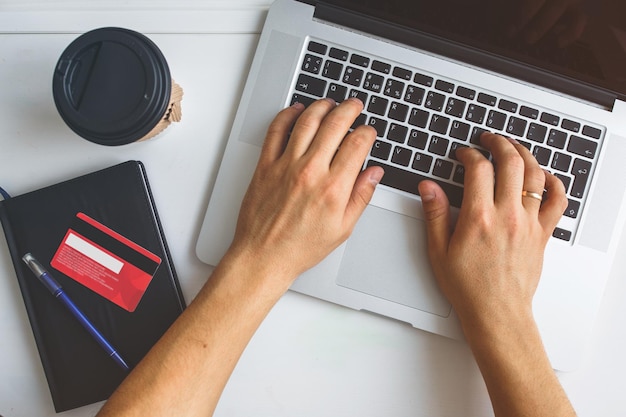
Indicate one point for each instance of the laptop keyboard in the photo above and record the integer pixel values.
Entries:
(421, 120)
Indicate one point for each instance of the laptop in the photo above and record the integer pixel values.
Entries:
(434, 75)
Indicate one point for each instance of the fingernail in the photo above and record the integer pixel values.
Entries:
(376, 176)
(428, 195)
(297, 105)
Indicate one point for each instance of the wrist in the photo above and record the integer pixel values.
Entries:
(250, 271)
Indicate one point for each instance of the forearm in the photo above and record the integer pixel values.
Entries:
(186, 371)
(516, 369)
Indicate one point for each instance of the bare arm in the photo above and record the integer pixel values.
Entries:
(303, 201)
(489, 268)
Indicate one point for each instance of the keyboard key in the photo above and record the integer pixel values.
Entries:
(414, 95)
(299, 98)
(565, 180)
(444, 86)
(537, 133)
(422, 162)
(529, 112)
(557, 139)
(402, 73)
(507, 105)
(332, 70)
(338, 54)
(378, 105)
(516, 126)
(476, 133)
(465, 92)
(423, 79)
(317, 47)
(381, 67)
(359, 60)
(380, 125)
(476, 113)
(373, 82)
(434, 101)
(397, 133)
(394, 88)
(312, 64)
(459, 174)
(443, 169)
(562, 234)
(418, 139)
(542, 155)
(418, 117)
(582, 147)
(573, 208)
(381, 150)
(550, 119)
(353, 76)
(570, 125)
(487, 99)
(561, 161)
(592, 132)
(360, 95)
(311, 85)
(455, 107)
(439, 124)
(407, 181)
(401, 156)
(453, 148)
(581, 170)
(337, 92)
(459, 130)
(398, 111)
(360, 121)
(496, 120)
(438, 145)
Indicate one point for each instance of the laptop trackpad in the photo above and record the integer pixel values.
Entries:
(386, 257)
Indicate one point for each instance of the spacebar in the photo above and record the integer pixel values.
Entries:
(407, 181)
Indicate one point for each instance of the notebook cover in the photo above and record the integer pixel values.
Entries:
(78, 370)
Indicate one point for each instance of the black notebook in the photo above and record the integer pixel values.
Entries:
(119, 202)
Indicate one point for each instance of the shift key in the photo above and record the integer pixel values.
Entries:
(581, 171)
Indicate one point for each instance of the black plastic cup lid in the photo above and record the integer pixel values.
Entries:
(112, 86)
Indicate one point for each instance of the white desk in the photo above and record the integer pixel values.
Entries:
(310, 357)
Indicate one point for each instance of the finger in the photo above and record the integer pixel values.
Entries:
(509, 168)
(554, 205)
(349, 159)
(334, 129)
(306, 127)
(361, 195)
(437, 215)
(534, 177)
(277, 132)
(478, 179)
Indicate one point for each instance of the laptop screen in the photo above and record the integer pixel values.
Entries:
(582, 40)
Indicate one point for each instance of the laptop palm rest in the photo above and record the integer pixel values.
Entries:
(385, 258)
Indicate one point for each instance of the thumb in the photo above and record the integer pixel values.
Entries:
(437, 216)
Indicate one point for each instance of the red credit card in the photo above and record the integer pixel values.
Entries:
(105, 262)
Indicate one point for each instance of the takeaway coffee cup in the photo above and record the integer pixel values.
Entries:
(113, 86)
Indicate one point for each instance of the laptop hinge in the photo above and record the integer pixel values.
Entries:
(414, 38)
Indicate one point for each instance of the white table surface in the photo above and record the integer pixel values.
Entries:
(309, 357)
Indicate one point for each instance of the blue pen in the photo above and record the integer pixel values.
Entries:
(53, 286)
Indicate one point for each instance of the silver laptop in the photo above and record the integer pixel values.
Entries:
(433, 75)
